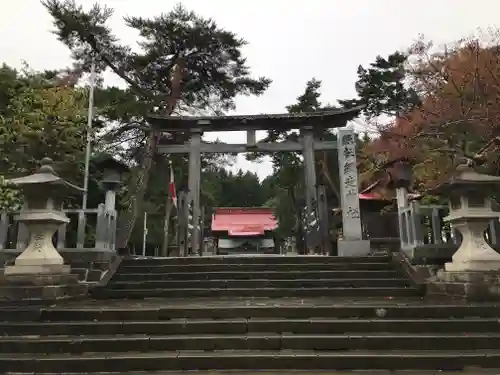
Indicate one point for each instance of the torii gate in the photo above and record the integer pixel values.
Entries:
(307, 123)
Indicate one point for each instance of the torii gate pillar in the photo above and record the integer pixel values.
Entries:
(310, 183)
(194, 179)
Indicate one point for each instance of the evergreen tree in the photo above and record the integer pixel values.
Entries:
(185, 64)
(382, 88)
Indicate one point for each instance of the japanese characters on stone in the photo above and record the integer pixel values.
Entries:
(350, 180)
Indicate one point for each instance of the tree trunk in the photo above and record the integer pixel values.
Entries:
(166, 225)
(140, 181)
(325, 171)
(138, 187)
(299, 230)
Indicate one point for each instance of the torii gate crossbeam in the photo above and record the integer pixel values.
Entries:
(307, 123)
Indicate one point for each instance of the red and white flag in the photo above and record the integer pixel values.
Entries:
(172, 191)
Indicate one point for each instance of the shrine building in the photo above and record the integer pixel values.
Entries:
(244, 230)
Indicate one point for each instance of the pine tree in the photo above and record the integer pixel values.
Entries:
(382, 88)
(185, 64)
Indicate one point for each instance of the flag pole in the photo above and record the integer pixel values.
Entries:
(144, 233)
(90, 115)
(166, 227)
(168, 211)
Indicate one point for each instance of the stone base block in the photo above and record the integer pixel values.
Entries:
(38, 280)
(437, 254)
(46, 293)
(90, 264)
(35, 270)
(474, 265)
(41, 287)
(353, 248)
(468, 285)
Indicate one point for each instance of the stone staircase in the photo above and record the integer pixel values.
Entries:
(260, 276)
(250, 314)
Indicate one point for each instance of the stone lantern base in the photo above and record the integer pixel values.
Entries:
(25, 270)
(39, 273)
(474, 272)
(474, 253)
(40, 257)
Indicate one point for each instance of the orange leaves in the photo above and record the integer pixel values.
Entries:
(459, 113)
(394, 142)
(466, 89)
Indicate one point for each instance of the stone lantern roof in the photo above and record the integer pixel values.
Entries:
(44, 176)
(467, 178)
(106, 161)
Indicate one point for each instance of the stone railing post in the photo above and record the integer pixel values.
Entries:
(402, 203)
(4, 230)
(101, 230)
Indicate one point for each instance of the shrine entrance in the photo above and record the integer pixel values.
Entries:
(317, 231)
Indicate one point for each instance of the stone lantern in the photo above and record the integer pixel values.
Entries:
(112, 177)
(402, 173)
(470, 213)
(42, 214)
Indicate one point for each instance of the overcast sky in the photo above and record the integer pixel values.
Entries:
(290, 41)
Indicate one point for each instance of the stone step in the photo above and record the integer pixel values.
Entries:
(257, 342)
(249, 360)
(268, 259)
(137, 268)
(257, 283)
(248, 275)
(107, 293)
(244, 326)
(273, 309)
(468, 371)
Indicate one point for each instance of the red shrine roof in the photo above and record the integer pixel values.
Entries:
(377, 192)
(252, 221)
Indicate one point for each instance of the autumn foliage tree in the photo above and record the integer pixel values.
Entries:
(457, 111)
(39, 118)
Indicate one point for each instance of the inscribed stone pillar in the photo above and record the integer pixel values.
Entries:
(352, 243)
(194, 185)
